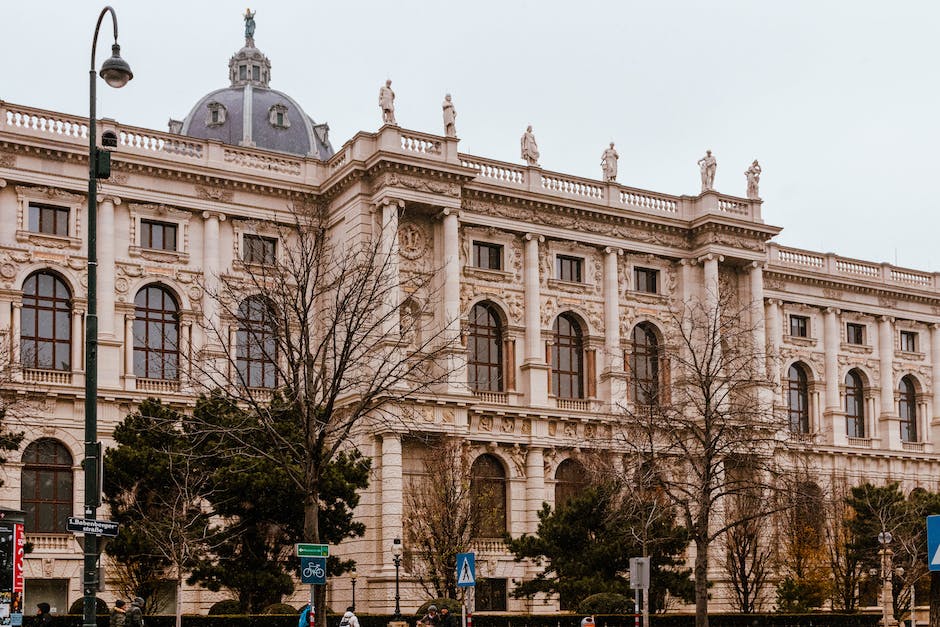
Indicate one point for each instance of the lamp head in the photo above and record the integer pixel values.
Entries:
(353, 575)
(115, 71)
(397, 547)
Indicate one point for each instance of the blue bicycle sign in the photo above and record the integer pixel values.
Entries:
(313, 570)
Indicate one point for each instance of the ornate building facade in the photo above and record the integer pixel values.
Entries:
(555, 282)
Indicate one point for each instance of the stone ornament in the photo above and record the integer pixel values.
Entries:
(753, 180)
(450, 117)
(609, 163)
(708, 165)
(387, 103)
(529, 147)
(412, 242)
(250, 28)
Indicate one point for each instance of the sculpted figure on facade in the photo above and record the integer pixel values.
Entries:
(753, 180)
(609, 163)
(250, 27)
(450, 117)
(387, 103)
(708, 165)
(529, 147)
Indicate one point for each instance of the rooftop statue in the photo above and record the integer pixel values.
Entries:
(753, 180)
(609, 163)
(250, 28)
(450, 117)
(708, 165)
(530, 148)
(387, 103)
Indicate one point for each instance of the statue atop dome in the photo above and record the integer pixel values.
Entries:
(249, 28)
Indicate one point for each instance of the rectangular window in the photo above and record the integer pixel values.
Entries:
(909, 341)
(242, 72)
(157, 235)
(568, 268)
(855, 333)
(490, 595)
(49, 220)
(258, 249)
(255, 73)
(487, 256)
(799, 326)
(645, 280)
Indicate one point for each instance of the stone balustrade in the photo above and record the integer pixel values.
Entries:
(854, 269)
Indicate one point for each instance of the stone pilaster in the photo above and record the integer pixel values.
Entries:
(535, 487)
(834, 416)
(775, 334)
(106, 268)
(389, 256)
(613, 380)
(457, 357)
(534, 369)
(710, 286)
(211, 268)
(889, 429)
(935, 370)
(756, 276)
(392, 500)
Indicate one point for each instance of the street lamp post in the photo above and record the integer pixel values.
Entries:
(884, 539)
(116, 73)
(352, 577)
(396, 559)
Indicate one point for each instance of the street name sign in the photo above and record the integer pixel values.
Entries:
(93, 527)
(312, 550)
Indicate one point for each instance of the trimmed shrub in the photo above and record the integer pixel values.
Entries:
(279, 608)
(606, 603)
(452, 605)
(228, 607)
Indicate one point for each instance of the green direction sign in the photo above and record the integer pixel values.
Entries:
(312, 550)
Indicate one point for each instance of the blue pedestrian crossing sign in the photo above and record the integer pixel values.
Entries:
(466, 569)
(933, 542)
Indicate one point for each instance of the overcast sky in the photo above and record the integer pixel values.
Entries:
(839, 101)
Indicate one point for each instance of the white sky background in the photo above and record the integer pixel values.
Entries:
(838, 100)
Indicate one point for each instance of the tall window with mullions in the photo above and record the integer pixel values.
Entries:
(46, 323)
(485, 341)
(568, 358)
(256, 348)
(156, 334)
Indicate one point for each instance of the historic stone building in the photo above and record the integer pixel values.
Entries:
(555, 281)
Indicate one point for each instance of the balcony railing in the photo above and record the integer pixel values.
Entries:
(913, 447)
(52, 542)
(162, 386)
(573, 404)
(860, 442)
(494, 398)
(53, 377)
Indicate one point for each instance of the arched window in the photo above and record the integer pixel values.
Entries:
(46, 323)
(488, 489)
(485, 341)
(156, 334)
(854, 405)
(798, 399)
(644, 365)
(46, 486)
(570, 480)
(567, 358)
(255, 344)
(907, 409)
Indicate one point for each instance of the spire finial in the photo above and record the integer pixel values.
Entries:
(249, 28)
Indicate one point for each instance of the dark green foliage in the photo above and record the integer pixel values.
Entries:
(452, 605)
(264, 505)
(225, 608)
(586, 546)
(279, 608)
(606, 603)
(797, 595)
(78, 606)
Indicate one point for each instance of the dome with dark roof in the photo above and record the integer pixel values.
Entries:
(250, 113)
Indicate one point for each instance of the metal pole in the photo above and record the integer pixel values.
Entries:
(397, 615)
(354, 595)
(311, 615)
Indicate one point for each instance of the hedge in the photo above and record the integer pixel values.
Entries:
(820, 619)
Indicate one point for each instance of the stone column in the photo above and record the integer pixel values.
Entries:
(457, 366)
(756, 276)
(535, 487)
(935, 366)
(834, 416)
(211, 270)
(106, 267)
(77, 343)
(534, 369)
(613, 388)
(186, 339)
(888, 421)
(129, 352)
(710, 286)
(392, 501)
(389, 257)
(16, 342)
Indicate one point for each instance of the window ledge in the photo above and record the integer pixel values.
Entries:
(569, 286)
(48, 241)
(487, 274)
(914, 356)
(650, 298)
(158, 255)
(861, 349)
(800, 341)
(253, 266)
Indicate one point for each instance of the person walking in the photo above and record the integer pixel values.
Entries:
(135, 615)
(432, 618)
(118, 614)
(43, 616)
(349, 618)
(448, 619)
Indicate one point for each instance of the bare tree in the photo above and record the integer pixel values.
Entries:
(314, 320)
(845, 563)
(748, 554)
(708, 426)
(440, 518)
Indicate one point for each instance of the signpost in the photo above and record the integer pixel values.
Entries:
(467, 579)
(312, 570)
(640, 580)
(93, 527)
